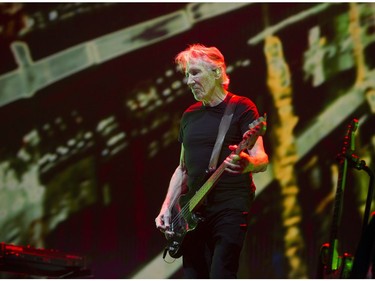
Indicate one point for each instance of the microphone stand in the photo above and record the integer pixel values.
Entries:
(359, 164)
(366, 247)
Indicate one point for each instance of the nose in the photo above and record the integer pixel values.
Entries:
(190, 81)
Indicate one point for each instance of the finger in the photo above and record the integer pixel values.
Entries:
(235, 158)
(166, 221)
(161, 228)
(232, 167)
(232, 147)
(232, 171)
(232, 162)
(158, 222)
(232, 158)
(169, 233)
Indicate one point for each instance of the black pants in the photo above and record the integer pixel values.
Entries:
(213, 249)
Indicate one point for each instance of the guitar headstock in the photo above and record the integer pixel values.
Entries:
(257, 128)
(349, 141)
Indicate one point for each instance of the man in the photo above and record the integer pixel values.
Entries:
(212, 249)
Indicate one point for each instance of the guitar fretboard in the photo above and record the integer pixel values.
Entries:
(247, 142)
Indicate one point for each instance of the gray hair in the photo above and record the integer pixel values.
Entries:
(211, 55)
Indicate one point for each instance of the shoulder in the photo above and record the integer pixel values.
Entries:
(194, 107)
(243, 102)
(191, 111)
(246, 110)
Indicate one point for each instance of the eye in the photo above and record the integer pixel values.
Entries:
(192, 72)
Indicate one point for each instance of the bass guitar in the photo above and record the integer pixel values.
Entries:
(184, 216)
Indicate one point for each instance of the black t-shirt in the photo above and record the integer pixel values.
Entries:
(198, 132)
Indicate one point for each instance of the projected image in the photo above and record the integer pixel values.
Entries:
(91, 102)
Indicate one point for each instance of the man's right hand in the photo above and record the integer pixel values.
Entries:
(163, 220)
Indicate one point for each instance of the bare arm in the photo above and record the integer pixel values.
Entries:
(177, 186)
(258, 157)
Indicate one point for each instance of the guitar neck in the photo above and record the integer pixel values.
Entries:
(199, 196)
(341, 183)
(337, 211)
(257, 128)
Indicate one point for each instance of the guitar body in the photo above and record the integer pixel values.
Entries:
(182, 223)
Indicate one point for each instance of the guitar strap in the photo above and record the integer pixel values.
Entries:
(223, 128)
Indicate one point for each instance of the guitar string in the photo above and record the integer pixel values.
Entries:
(185, 209)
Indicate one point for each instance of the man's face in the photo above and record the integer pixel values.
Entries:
(201, 79)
